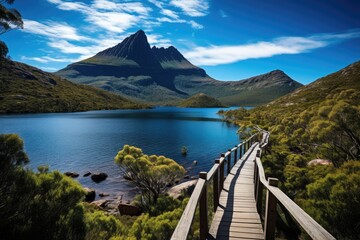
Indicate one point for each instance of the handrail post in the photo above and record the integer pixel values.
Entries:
(229, 162)
(241, 150)
(203, 209)
(235, 155)
(216, 186)
(222, 173)
(270, 213)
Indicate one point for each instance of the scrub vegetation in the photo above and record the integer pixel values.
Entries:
(318, 121)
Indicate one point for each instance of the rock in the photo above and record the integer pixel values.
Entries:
(101, 203)
(127, 209)
(186, 177)
(90, 194)
(319, 162)
(195, 162)
(99, 177)
(126, 177)
(87, 174)
(103, 194)
(176, 191)
(71, 174)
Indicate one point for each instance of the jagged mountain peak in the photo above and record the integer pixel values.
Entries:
(167, 54)
(135, 47)
(160, 75)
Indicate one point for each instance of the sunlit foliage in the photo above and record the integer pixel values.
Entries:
(150, 174)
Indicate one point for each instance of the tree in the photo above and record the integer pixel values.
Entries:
(334, 200)
(9, 19)
(151, 174)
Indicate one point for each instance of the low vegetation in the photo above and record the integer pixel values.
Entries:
(201, 100)
(318, 121)
(50, 205)
(25, 89)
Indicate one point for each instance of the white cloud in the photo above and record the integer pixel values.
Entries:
(192, 8)
(157, 3)
(158, 40)
(111, 16)
(169, 13)
(52, 29)
(47, 59)
(216, 55)
(195, 25)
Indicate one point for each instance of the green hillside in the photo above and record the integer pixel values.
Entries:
(201, 100)
(317, 121)
(25, 89)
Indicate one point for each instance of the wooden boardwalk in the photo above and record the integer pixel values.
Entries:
(236, 216)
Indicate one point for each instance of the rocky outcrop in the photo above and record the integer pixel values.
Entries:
(90, 194)
(128, 209)
(101, 203)
(104, 194)
(99, 177)
(71, 174)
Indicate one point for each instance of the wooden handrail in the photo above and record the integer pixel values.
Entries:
(273, 197)
(199, 194)
(312, 228)
(182, 229)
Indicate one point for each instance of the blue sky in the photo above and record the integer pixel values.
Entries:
(230, 39)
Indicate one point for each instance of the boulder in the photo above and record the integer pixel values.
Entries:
(90, 194)
(71, 174)
(176, 191)
(99, 177)
(103, 194)
(101, 203)
(87, 174)
(315, 162)
(127, 209)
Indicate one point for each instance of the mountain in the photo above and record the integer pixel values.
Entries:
(164, 76)
(343, 84)
(26, 89)
(201, 100)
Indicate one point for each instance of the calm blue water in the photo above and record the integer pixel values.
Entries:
(89, 141)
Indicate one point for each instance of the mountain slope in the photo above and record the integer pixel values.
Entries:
(25, 89)
(201, 100)
(341, 85)
(317, 121)
(164, 76)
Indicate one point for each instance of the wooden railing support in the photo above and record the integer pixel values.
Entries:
(204, 226)
(216, 186)
(241, 151)
(229, 162)
(270, 213)
(235, 155)
(259, 196)
(221, 175)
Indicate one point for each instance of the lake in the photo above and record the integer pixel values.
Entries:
(89, 141)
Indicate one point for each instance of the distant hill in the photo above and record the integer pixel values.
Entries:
(165, 76)
(322, 90)
(26, 89)
(201, 100)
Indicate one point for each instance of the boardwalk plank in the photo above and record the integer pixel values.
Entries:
(236, 216)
